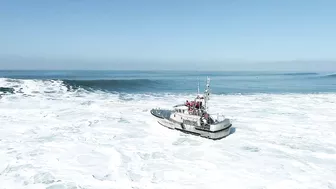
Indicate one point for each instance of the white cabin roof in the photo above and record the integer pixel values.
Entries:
(181, 108)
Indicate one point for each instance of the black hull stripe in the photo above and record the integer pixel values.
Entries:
(193, 133)
(214, 131)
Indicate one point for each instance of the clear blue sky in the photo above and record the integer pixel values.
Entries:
(110, 34)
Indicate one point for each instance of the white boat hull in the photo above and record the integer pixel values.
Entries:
(213, 131)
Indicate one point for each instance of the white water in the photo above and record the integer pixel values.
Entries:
(66, 139)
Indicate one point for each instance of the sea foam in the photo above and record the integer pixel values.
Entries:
(52, 137)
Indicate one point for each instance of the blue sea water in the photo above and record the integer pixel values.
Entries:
(184, 81)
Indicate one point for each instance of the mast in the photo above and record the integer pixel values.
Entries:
(198, 86)
(207, 94)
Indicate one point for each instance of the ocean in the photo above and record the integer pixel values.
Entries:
(93, 129)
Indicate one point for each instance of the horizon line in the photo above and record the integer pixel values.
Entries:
(165, 70)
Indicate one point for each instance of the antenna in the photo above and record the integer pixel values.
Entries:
(198, 86)
(207, 93)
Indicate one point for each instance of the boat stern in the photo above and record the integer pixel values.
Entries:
(219, 130)
(221, 125)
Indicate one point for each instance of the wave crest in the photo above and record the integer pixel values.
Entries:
(331, 75)
(119, 85)
(29, 86)
(301, 73)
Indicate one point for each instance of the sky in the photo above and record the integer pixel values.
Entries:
(172, 34)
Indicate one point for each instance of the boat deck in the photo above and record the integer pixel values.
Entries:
(163, 114)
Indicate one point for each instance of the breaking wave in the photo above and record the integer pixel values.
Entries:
(34, 86)
(177, 85)
(124, 85)
(229, 74)
(331, 75)
(301, 74)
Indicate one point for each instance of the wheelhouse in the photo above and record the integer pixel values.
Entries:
(181, 109)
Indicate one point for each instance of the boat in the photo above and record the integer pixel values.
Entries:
(194, 118)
